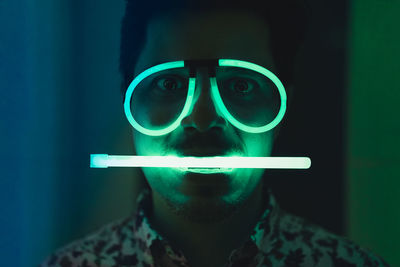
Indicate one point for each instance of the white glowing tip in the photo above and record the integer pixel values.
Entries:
(105, 161)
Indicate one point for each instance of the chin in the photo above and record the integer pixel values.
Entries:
(205, 209)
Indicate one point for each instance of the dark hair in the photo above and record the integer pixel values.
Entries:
(287, 20)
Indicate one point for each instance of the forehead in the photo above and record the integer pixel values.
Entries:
(223, 34)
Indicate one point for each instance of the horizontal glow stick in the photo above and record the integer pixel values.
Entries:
(105, 161)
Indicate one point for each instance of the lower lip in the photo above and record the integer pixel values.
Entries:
(207, 170)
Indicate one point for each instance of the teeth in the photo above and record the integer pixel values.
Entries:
(206, 170)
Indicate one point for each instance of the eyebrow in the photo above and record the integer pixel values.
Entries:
(157, 62)
(189, 61)
(149, 65)
(154, 63)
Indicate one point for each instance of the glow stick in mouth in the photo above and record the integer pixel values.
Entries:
(105, 161)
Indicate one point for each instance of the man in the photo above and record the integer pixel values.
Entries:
(204, 217)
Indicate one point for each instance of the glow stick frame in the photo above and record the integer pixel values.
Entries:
(215, 94)
(105, 161)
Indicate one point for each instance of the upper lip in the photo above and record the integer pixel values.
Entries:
(208, 144)
(204, 151)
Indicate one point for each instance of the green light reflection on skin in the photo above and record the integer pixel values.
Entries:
(202, 165)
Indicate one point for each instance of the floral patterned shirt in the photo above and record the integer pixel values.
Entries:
(278, 239)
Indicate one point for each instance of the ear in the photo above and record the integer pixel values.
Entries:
(123, 89)
(276, 131)
(289, 94)
(132, 135)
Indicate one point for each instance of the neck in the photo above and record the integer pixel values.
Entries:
(207, 244)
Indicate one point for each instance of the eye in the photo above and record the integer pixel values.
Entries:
(169, 83)
(241, 86)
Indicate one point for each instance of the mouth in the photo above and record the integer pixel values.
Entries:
(206, 170)
(207, 152)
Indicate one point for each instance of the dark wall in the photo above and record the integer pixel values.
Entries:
(315, 121)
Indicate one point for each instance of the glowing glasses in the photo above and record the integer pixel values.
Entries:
(248, 95)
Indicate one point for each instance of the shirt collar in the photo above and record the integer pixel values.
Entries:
(265, 233)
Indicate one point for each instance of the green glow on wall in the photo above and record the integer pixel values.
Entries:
(105, 161)
(373, 128)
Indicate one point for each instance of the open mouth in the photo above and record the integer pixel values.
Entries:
(202, 152)
(206, 170)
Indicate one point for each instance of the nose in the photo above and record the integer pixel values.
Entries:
(203, 115)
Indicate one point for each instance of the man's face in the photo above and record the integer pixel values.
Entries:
(205, 132)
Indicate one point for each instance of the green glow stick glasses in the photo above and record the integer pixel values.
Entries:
(248, 96)
(230, 67)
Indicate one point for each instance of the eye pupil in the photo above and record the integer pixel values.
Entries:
(169, 84)
(241, 86)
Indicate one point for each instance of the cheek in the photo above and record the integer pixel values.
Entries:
(140, 142)
(158, 116)
(148, 145)
(259, 145)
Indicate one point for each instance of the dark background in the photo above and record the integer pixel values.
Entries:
(60, 102)
(314, 123)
